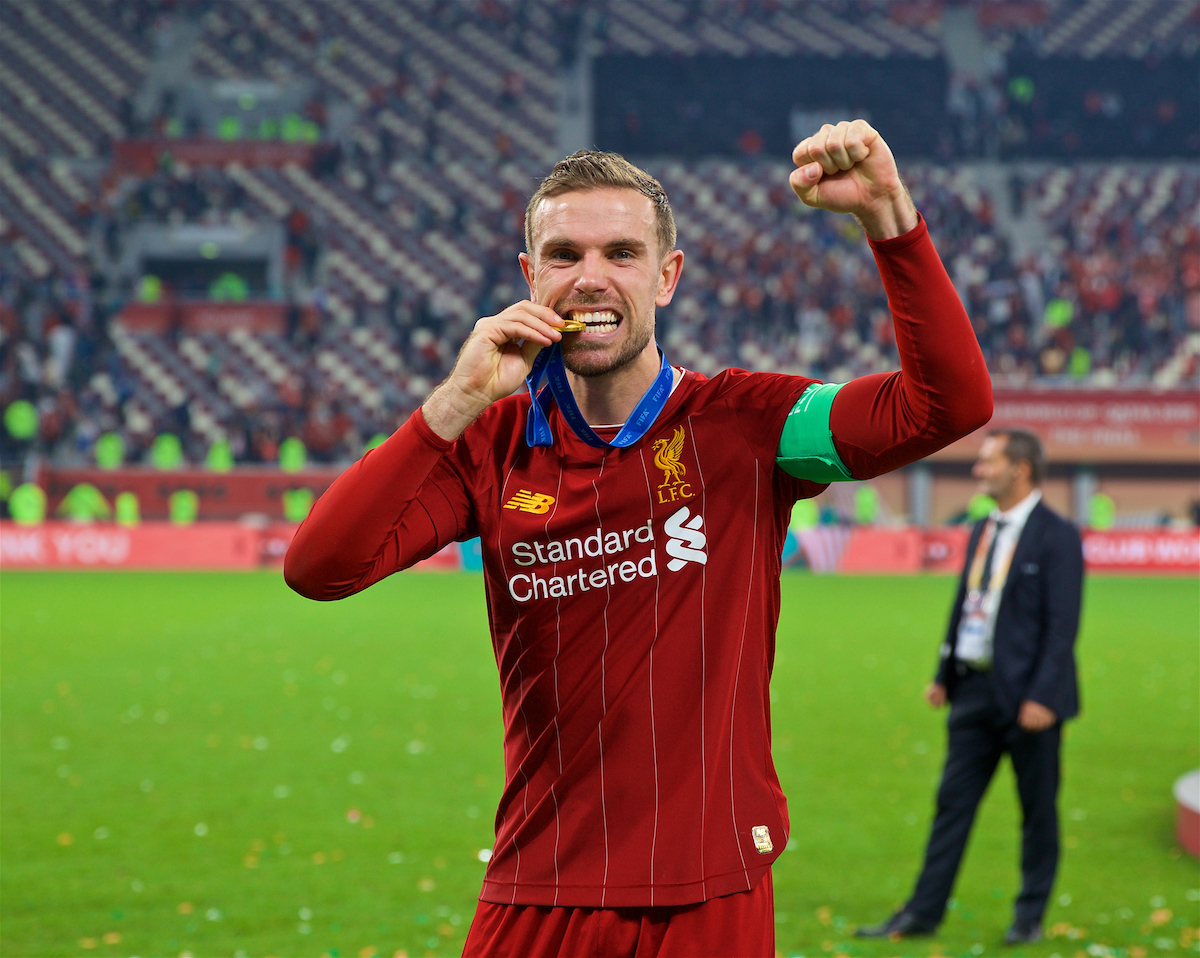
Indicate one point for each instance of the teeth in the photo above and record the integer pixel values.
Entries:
(603, 321)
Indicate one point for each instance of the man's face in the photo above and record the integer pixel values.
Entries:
(996, 473)
(596, 259)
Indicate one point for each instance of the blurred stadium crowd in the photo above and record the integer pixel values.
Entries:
(427, 124)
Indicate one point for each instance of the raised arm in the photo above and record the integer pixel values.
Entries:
(942, 391)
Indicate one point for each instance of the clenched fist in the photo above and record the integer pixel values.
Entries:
(848, 168)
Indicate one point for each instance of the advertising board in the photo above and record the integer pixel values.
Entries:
(1096, 426)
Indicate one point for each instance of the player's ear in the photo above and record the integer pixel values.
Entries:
(527, 269)
(668, 278)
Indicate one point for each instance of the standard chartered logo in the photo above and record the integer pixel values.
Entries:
(686, 542)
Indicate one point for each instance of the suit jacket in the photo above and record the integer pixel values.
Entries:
(1033, 649)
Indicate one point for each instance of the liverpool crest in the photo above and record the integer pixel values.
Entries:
(667, 454)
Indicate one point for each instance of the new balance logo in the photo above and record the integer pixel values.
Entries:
(536, 502)
(686, 541)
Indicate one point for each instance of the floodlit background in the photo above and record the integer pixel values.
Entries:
(241, 240)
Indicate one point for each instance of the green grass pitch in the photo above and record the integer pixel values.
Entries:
(209, 764)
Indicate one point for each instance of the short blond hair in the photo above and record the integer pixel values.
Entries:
(597, 170)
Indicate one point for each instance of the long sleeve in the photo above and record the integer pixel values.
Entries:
(398, 504)
(1063, 560)
(942, 391)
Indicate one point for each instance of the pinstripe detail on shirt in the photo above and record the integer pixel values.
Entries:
(603, 697)
(738, 676)
(653, 732)
(521, 704)
(703, 675)
(557, 701)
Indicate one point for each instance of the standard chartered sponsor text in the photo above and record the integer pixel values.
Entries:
(526, 586)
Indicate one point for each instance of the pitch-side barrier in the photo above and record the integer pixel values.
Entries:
(828, 549)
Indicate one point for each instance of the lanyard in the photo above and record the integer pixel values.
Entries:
(549, 362)
(985, 551)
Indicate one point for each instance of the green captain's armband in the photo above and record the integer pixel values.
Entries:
(806, 448)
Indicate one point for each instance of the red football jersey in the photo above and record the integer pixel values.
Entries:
(633, 597)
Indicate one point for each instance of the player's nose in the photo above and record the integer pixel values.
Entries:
(593, 273)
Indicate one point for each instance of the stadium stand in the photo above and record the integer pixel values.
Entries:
(1096, 28)
(422, 129)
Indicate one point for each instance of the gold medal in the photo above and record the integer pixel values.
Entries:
(573, 326)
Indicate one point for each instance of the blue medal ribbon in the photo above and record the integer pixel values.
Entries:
(549, 362)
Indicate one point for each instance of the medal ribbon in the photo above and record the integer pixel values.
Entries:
(549, 362)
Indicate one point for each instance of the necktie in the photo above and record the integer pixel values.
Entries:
(985, 579)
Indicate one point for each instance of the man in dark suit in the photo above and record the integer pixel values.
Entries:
(1008, 671)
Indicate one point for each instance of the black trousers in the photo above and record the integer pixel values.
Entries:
(979, 735)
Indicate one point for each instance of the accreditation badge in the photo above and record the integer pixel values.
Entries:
(972, 626)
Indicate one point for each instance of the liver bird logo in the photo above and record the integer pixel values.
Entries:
(666, 458)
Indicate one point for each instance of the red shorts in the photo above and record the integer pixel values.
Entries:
(741, 925)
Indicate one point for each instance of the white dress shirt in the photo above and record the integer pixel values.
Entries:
(977, 626)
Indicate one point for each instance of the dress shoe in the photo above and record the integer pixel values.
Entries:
(1020, 933)
(903, 924)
